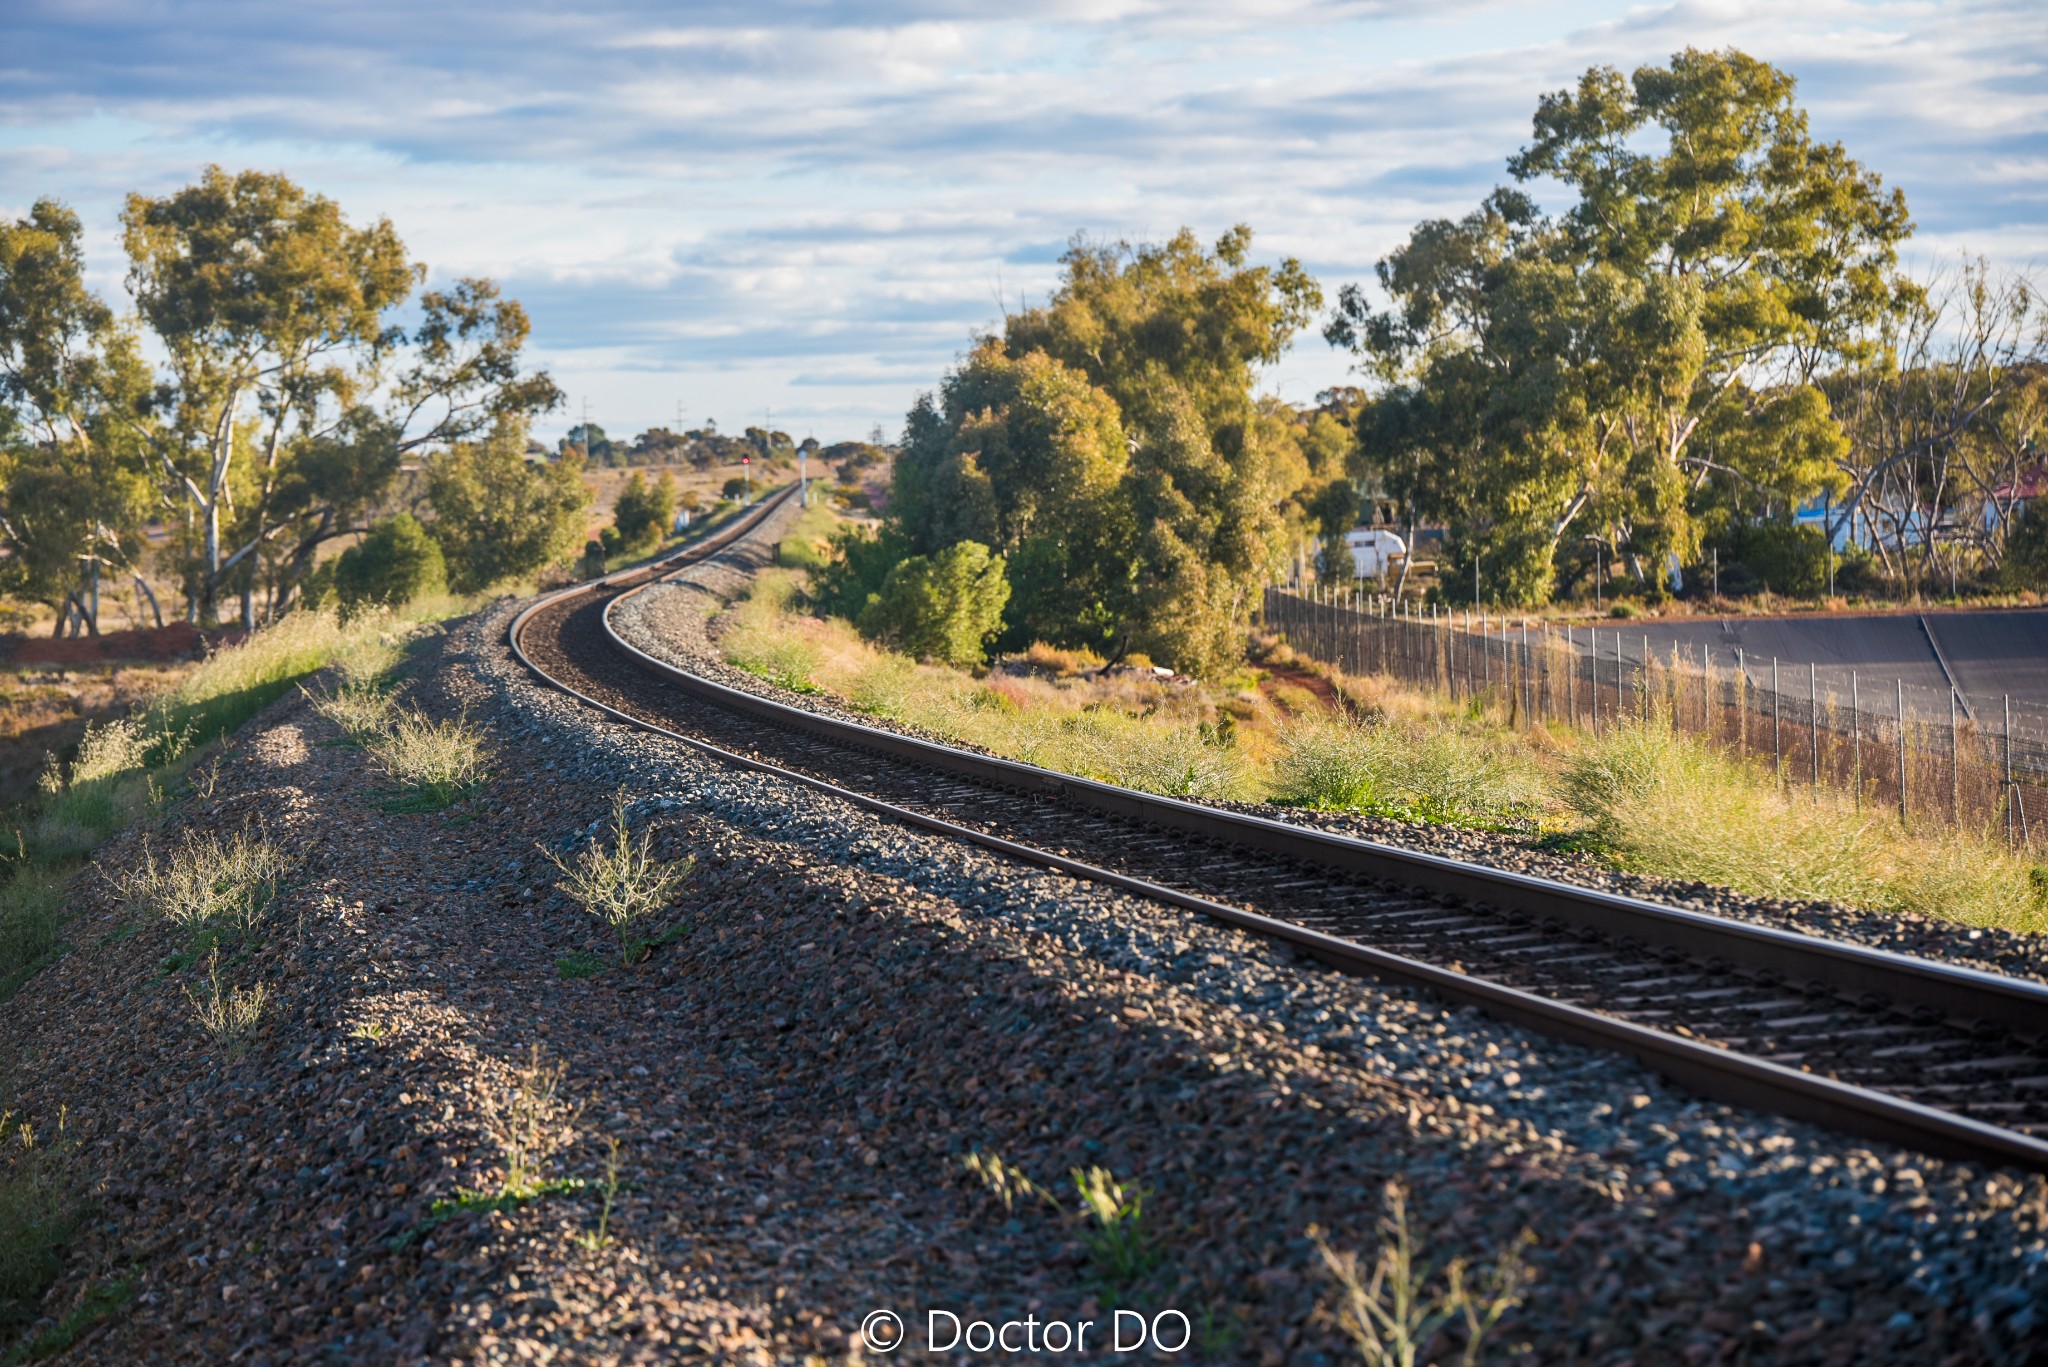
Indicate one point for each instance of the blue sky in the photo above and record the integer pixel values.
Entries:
(812, 207)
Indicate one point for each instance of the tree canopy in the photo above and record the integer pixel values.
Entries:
(1620, 369)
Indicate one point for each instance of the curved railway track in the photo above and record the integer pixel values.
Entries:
(1945, 1059)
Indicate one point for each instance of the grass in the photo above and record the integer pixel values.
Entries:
(41, 1204)
(1637, 798)
(1395, 1310)
(32, 916)
(1667, 805)
(100, 1302)
(436, 764)
(621, 884)
(1122, 1248)
(229, 1014)
(207, 885)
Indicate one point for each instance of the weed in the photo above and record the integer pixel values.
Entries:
(438, 763)
(229, 1014)
(206, 884)
(1005, 1182)
(581, 964)
(601, 1240)
(1121, 1247)
(1112, 1215)
(101, 1301)
(40, 1206)
(466, 1202)
(622, 884)
(360, 710)
(532, 1124)
(1393, 1313)
(369, 1030)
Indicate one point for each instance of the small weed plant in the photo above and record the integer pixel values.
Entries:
(1394, 1311)
(207, 885)
(622, 883)
(601, 1239)
(228, 1014)
(359, 710)
(1121, 1247)
(436, 763)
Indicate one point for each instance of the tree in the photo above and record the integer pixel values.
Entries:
(643, 513)
(1609, 366)
(1026, 457)
(273, 313)
(73, 495)
(1175, 335)
(498, 516)
(394, 564)
(945, 607)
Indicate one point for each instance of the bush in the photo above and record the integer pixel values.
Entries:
(735, 488)
(2026, 553)
(855, 567)
(1784, 557)
(644, 513)
(947, 607)
(396, 563)
(497, 515)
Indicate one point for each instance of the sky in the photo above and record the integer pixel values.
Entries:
(810, 209)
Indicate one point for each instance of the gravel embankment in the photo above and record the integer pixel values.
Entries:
(793, 1082)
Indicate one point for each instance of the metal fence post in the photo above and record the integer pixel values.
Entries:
(1955, 766)
(1900, 686)
(1777, 726)
(1813, 722)
(1855, 741)
(1741, 704)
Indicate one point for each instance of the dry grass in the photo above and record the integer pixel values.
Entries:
(229, 1014)
(40, 1206)
(437, 763)
(1666, 804)
(1652, 802)
(207, 884)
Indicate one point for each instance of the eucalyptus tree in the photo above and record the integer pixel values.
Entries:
(289, 394)
(1175, 335)
(73, 494)
(1025, 457)
(1650, 350)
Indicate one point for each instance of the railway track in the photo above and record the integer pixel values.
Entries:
(1945, 1059)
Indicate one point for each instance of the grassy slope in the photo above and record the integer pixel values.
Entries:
(1647, 800)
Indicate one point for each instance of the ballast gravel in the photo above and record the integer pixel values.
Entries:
(846, 1010)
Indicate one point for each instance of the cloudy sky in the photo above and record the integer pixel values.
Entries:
(811, 207)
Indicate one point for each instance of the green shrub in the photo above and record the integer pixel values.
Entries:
(1784, 557)
(947, 607)
(643, 514)
(855, 567)
(497, 515)
(394, 564)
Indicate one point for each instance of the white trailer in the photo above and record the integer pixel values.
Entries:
(1373, 551)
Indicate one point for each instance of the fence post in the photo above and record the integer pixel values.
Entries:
(1813, 722)
(1955, 767)
(1741, 704)
(1777, 726)
(1899, 685)
(2012, 790)
(1855, 741)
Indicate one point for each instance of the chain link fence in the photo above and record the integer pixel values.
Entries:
(1935, 758)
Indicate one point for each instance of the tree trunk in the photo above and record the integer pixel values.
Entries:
(150, 594)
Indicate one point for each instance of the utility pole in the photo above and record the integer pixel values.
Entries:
(586, 431)
(803, 474)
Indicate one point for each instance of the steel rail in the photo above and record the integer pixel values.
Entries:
(1709, 1070)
